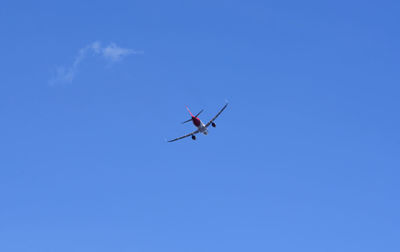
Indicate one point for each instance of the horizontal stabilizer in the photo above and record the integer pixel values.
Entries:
(187, 121)
(199, 113)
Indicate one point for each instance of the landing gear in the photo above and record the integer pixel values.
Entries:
(213, 124)
(193, 137)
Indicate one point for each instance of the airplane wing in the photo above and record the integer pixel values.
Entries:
(179, 138)
(215, 117)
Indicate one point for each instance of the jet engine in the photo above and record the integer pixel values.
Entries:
(193, 137)
(213, 124)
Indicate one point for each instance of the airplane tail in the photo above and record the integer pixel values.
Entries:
(191, 115)
(189, 111)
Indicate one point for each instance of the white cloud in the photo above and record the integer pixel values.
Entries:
(114, 53)
(111, 53)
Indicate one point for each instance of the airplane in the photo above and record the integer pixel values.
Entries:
(201, 127)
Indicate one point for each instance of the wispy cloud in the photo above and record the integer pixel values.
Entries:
(111, 53)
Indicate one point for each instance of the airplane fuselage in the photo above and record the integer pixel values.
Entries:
(200, 125)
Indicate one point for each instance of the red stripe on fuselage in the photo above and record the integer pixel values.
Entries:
(196, 121)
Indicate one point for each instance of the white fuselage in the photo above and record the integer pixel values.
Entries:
(202, 128)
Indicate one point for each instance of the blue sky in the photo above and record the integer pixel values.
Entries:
(305, 158)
